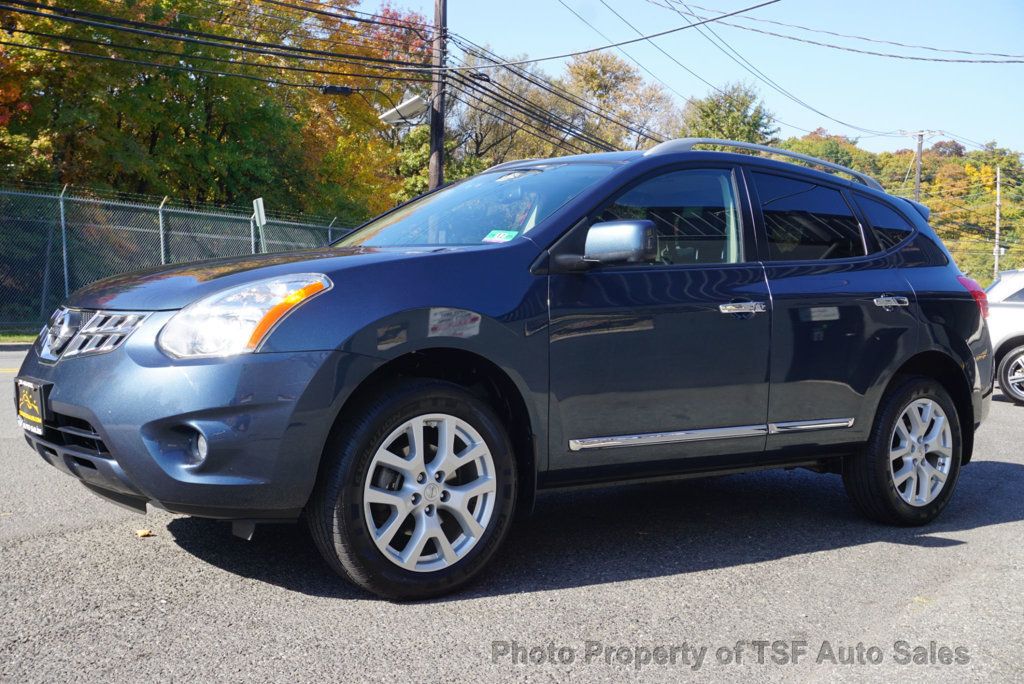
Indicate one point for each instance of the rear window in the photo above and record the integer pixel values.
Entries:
(805, 221)
(888, 227)
(1016, 297)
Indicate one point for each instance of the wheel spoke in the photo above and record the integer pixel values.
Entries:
(935, 433)
(467, 522)
(914, 417)
(924, 486)
(902, 432)
(445, 546)
(414, 548)
(417, 443)
(395, 462)
(899, 452)
(386, 532)
(911, 489)
(905, 472)
(466, 492)
(376, 495)
(933, 472)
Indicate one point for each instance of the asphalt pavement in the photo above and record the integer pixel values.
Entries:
(663, 582)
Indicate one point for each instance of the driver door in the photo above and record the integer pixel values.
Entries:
(655, 362)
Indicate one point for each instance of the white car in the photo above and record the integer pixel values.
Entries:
(1006, 327)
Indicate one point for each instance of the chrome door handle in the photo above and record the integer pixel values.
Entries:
(743, 307)
(889, 302)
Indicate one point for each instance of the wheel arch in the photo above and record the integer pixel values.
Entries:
(478, 375)
(948, 373)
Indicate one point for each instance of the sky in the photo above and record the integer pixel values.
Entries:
(977, 102)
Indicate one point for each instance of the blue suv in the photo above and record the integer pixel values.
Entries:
(547, 323)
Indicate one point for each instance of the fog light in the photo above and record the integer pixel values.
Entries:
(200, 448)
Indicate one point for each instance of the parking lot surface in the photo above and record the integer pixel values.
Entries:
(603, 584)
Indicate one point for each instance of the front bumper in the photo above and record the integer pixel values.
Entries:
(123, 423)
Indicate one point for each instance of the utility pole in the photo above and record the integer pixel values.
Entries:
(917, 174)
(999, 209)
(436, 168)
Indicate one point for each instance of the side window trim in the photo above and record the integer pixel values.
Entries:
(760, 225)
(748, 246)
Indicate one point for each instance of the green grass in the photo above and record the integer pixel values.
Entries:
(9, 336)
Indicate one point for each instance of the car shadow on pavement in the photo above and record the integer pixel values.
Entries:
(627, 532)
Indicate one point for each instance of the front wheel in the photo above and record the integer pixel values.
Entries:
(906, 472)
(418, 491)
(1011, 375)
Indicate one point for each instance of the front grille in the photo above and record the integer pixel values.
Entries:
(101, 332)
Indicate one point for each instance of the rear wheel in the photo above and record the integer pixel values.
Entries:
(906, 473)
(418, 492)
(1011, 375)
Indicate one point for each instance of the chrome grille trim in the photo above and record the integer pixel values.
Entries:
(102, 332)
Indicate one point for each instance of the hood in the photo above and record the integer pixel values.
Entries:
(173, 287)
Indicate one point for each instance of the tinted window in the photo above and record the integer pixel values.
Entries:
(492, 207)
(1016, 297)
(889, 228)
(805, 221)
(694, 213)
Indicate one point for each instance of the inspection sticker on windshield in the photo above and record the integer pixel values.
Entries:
(500, 235)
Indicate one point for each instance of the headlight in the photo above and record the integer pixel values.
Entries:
(236, 321)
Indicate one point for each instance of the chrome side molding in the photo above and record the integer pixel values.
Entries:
(674, 437)
(808, 425)
(706, 434)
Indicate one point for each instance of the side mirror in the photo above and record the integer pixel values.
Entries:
(617, 242)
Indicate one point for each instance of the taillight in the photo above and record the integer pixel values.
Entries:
(980, 298)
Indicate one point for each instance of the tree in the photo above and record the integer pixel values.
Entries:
(948, 148)
(736, 112)
(200, 137)
(617, 89)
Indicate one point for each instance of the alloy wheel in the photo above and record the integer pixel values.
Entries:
(429, 492)
(1015, 377)
(921, 452)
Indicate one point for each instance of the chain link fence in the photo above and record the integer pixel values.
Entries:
(52, 244)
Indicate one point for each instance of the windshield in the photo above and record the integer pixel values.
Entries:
(497, 206)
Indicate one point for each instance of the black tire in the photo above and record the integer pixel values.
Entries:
(867, 476)
(1009, 359)
(335, 511)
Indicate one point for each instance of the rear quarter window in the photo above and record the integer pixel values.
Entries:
(888, 227)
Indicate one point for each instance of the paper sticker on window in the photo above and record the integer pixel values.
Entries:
(500, 235)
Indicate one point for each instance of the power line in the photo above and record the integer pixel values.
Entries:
(744, 63)
(531, 111)
(138, 62)
(554, 89)
(337, 15)
(189, 35)
(866, 52)
(300, 29)
(867, 39)
(623, 51)
(512, 120)
(516, 123)
(688, 69)
(209, 58)
(577, 53)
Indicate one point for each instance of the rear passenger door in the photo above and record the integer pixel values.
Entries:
(841, 310)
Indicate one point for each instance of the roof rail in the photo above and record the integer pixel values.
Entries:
(687, 144)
